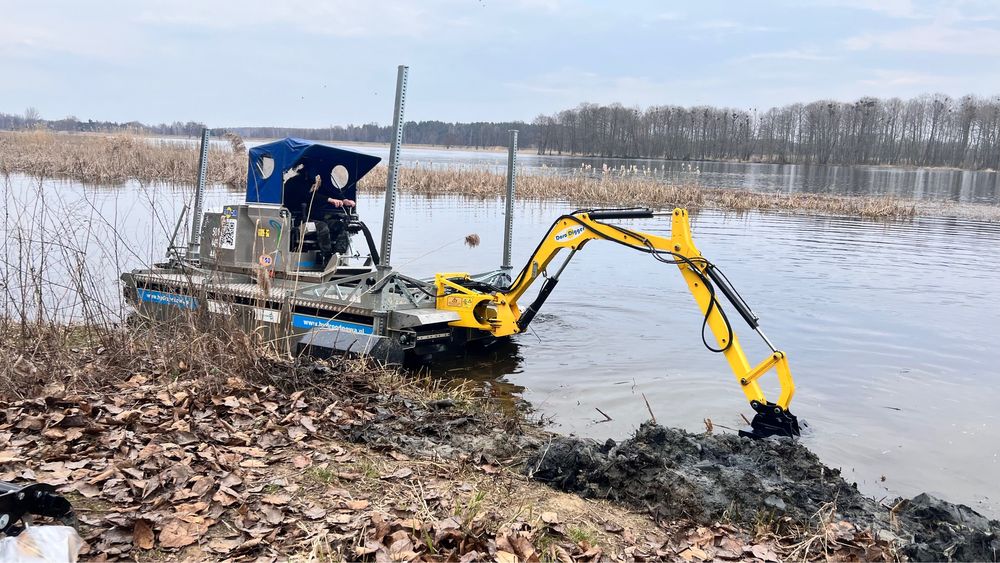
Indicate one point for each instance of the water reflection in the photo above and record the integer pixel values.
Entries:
(965, 186)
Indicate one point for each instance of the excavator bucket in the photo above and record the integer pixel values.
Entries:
(771, 420)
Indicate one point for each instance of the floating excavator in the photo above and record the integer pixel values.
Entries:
(261, 264)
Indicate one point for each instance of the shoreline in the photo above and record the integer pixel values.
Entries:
(165, 456)
(532, 151)
(116, 159)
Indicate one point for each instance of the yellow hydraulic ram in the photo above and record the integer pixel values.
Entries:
(497, 312)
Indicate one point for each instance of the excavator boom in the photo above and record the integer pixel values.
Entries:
(497, 310)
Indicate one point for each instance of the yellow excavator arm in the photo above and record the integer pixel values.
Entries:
(497, 311)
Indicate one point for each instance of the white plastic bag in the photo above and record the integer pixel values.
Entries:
(42, 544)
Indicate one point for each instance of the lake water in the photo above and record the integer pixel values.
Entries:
(889, 326)
(964, 186)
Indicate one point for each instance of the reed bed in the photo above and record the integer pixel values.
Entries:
(633, 190)
(96, 158)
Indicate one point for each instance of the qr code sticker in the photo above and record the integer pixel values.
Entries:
(227, 239)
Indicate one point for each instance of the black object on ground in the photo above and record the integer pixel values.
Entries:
(35, 499)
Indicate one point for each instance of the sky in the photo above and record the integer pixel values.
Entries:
(314, 63)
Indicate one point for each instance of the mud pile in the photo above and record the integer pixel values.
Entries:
(707, 478)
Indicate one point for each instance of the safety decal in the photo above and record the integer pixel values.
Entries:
(310, 322)
(263, 232)
(219, 307)
(266, 315)
(230, 211)
(456, 301)
(161, 298)
(265, 260)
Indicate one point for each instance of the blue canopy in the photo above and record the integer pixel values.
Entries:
(284, 172)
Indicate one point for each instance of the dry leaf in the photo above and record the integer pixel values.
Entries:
(142, 534)
(177, 533)
(693, 553)
(764, 552)
(399, 473)
(314, 513)
(272, 514)
(278, 498)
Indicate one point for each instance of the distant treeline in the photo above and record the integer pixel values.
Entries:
(479, 134)
(31, 119)
(924, 131)
(930, 130)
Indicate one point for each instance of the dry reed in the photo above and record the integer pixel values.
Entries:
(632, 190)
(116, 158)
(96, 158)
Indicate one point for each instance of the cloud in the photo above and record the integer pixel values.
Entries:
(892, 8)
(340, 18)
(889, 79)
(667, 17)
(788, 55)
(88, 38)
(569, 87)
(729, 26)
(936, 38)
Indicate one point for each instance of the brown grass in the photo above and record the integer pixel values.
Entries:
(633, 190)
(116, 158)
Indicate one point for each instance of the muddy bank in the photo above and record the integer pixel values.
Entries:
(342, 460)
(708, 478)
(307, 461)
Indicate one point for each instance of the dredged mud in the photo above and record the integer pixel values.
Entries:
(709, 477)
(676, 475)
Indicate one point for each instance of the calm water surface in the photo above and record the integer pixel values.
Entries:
(963, 186)
(889, 326)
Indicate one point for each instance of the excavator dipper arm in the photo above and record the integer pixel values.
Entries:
(498, 312)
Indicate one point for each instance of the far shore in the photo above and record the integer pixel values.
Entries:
(532, 151)
(113, 159)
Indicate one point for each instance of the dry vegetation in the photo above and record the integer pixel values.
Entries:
(633, 190)
(114, 158)
(189, 443)
(96, 158)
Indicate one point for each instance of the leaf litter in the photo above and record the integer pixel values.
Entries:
(341, 461)
(253, 470)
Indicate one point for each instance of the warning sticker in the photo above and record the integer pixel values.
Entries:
(219, 307)
(455, 301)
(267, 315)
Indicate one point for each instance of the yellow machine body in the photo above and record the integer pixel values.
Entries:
(498, 313)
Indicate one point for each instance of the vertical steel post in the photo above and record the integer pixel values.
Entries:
(194, 246)
(381, 315)
(509, 216)
(390, 186)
